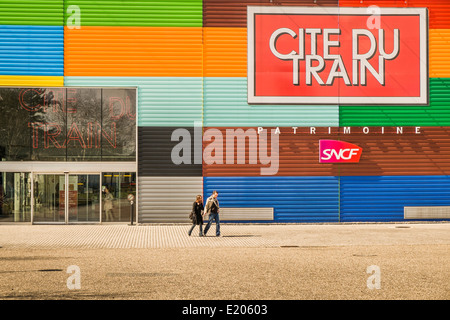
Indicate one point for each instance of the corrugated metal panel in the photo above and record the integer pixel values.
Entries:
(436, 114)
(392, 153)
(439, 50)
(233, 13)
(133, 51)
(386, 151)
(32, 12)
(157, 13)
(431, 212)
(31, 81)
(225, 52)
(167, 199)
(225, 105)
(383, 198)
(165, 101)
(294, 199)
(155, 152)
(246, 214)
(31, 50)
(298, 153)
(438, 15)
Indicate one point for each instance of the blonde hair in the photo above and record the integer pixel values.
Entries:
(198, 197)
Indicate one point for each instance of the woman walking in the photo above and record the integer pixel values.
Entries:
(196, 215)
(108, 204)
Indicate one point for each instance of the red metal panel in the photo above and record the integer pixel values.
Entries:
(392, 153)
(387, 151)
(298, 154)
(438, 15)
(233, 13)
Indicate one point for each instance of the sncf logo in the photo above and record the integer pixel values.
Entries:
(334, 151)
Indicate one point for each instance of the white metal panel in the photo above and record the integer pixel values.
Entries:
(247, 214)
(433, 212)
(167, 199)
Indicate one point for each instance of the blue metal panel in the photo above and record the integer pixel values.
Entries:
(32, 50)
(382, 198)
(294, 199)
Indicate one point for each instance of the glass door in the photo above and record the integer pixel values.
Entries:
(49, 198)
(84, 198)
(54, 203)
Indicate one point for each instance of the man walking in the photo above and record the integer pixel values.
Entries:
(212, 208)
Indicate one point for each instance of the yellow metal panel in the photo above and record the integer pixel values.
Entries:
(31, 81)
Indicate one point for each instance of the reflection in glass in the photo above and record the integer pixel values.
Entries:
(119, 185)
(119, 125)
(15, 195)
(48, 123)
(84, 198)
(15, 143)
(49, 198)
(84, 118)
(68, 124)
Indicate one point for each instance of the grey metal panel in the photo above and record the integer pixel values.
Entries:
(247, 214)
(155, 153)
(167, 199)
(432, 212)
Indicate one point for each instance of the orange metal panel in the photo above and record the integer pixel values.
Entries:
(439, 50)
(133, 51)
(225, 52)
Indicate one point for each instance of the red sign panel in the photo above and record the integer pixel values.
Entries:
(305, 55)
(335, 151)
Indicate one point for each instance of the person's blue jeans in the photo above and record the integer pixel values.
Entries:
(213, 217)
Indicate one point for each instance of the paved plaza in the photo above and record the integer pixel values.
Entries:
(249, 261)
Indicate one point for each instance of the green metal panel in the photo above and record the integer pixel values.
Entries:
(225, 105)
(162, 101)
(155, 13)
(436, 114)
(32, 12)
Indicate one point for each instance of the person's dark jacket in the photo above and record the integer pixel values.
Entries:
(197, 208)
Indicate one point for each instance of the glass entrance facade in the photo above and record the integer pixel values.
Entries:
(67, 198)
(56, 203)
(57, 144)
(15, 197)
(119, 185)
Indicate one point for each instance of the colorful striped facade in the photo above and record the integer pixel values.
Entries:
(188, 60)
